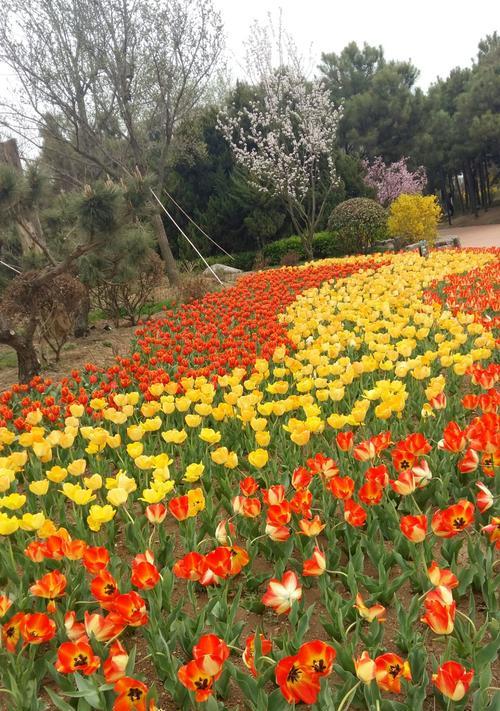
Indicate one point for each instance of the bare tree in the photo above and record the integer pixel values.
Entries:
(109, 80)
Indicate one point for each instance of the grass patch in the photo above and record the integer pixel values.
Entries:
(8, 359)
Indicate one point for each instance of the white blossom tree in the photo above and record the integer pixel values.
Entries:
(286, 142)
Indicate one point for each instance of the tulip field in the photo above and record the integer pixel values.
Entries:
(285, 497)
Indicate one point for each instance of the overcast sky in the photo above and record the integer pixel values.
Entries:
(437, 35)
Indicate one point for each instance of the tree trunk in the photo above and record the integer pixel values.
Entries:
(81, 327)
(471, 188)
(28, 364)
(307, 243)
(459, 193)
(165, 251)
(487, 178)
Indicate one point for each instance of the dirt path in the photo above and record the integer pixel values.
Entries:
(477, 236)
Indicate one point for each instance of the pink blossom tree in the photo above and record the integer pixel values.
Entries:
(391, 181)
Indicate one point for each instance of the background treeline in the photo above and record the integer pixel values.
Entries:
(453, 130)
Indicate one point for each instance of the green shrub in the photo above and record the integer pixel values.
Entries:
(274, 251)
(360, 223)
(327, 244)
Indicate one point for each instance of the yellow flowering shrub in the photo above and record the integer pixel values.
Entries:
(414, 217)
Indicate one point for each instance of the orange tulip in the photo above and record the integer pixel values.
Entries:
(316, 565)
(484, 499)
(317, 657)
(301, 502)
(156, 513)
(179, 507)
(104, 588)
(311, 528)
(345, 441)
(11, 633)
(249, 507)
(192, 567)
(371, 493)
(274, 495)
(493, 530)
(239, 559)
(115, 666)
(131, 608)
(37, 628)
(297, 683)
(131, 695)
(219, 561)
(440, 609)
(77, 657)
(449, 522)
(342, 487)
(389, 670)
(441, 576)
(74, 630)
(453, 680)
(354, 514)
(95, 559)
(249, 652)
(454, 439)
(279, 514)
(145, 575)
(248, 486)
(195, 678)
(5, 603)
(324, 466)
(301, 478)
(469, 462)
(213, 652)
(414, 527)
(375, 612)
(103, 628)
(378, 474)
(74, 549)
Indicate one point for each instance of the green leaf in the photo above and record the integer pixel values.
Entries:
(488, 653)
(57, 701)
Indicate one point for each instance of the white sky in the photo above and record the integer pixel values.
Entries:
(437, 35)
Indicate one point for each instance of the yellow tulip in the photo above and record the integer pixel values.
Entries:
(32, 522)
(258, 458)
(193, 472)
(8, 524)
(209, 435)
(56, 474)
(117, 497)
(77, 467)
(39, 488)
(174, 436)
(13, 501)
(135, 449)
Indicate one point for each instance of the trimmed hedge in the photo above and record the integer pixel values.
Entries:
(274, 251)
(361, 222)
(325, 245)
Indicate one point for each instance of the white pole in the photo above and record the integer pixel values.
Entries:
(184, 234)
(197, 226)
(9, 267)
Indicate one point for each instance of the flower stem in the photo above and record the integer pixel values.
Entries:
(346, 701)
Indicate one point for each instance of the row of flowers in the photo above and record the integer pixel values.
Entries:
(342, 479)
